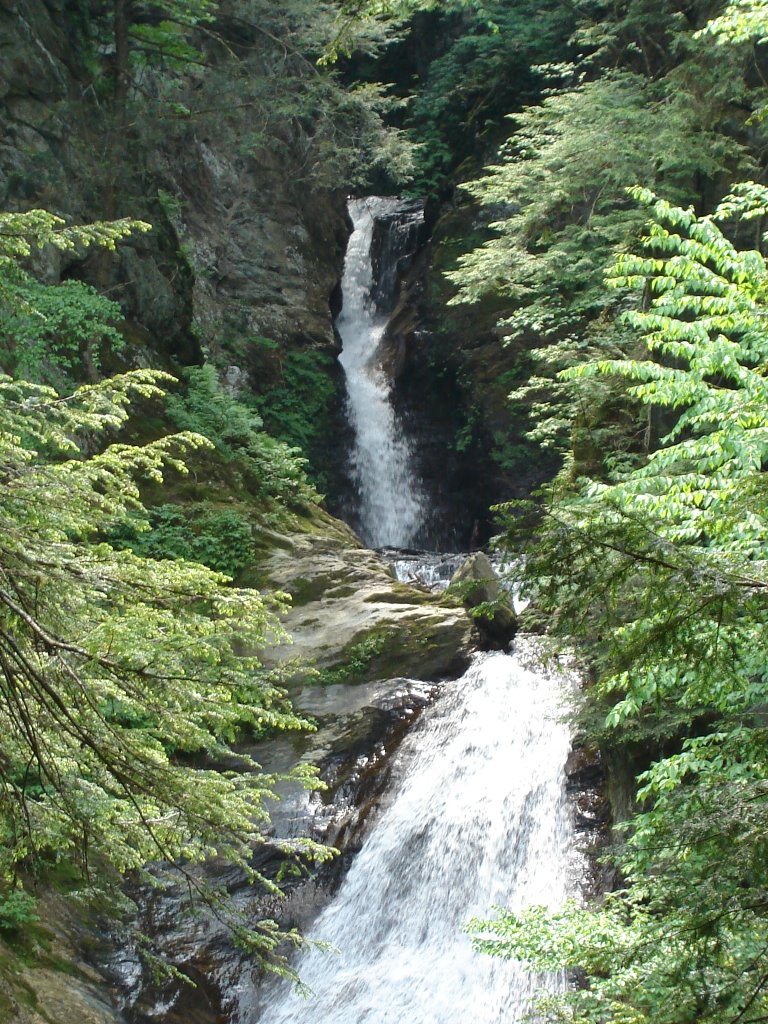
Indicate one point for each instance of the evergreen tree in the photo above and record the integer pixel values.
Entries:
(115, 667)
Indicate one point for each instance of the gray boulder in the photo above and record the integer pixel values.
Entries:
(478, 586)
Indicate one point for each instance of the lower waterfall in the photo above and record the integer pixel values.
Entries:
(478, 817)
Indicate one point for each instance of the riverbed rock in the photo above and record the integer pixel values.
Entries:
(352, 618)
(47, 980)
(480, 590)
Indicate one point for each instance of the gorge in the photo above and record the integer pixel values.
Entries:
(264, 449)
(475, 813)
(462, 808)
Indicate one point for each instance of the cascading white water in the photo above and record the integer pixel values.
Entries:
(392, 505)
(479, 817)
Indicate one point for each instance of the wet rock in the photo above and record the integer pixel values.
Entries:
(584, 768)
(586, 786)
(592, 816)
(49, 982)
(592, 810)
(480, 590)
(349, 610)
(357, 770)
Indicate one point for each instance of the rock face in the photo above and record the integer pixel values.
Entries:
(477, 583)
(455, 375)
(55, 985)
(238, 252)
(264, 258)
(245, 255)
(350, 615)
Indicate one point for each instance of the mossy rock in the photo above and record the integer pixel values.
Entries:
(352, 619)
(43, 978)
(423, 647)
(478, 586)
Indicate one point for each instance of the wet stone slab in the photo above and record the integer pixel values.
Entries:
(359, 729)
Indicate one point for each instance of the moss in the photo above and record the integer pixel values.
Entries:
(356, 660)
(316, 522)
(304, 591)
(14, 992)
(424, 646)
(401, 593)
(337, 593)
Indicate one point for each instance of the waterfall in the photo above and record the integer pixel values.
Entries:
(478, 817)
(392, 505)
(473, 812)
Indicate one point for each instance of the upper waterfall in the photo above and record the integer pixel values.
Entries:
(392, 504)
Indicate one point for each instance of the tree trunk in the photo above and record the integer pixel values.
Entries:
(122, 20)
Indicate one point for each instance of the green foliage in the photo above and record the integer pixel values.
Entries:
(144, 35)
(208, 409)
(22, 233)
(92, 665)
(742, 21)
(485, 67)
(647, 100)
(472, 594)
(662, 568)
(51, 332)
(465, 435)
(298, 409)
(170, 204)
(566, 215)
(354, 15)
(113, 665)
(17, 909)
(357, 660)
(220, 538)
(272, 470)
(250, 77)
(162, 31)
(510, 455)
(109, 660)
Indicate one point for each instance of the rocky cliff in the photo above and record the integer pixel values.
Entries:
(242, 248)
(455, 373)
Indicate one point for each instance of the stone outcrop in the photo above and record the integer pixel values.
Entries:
(348, 607)
(479, 588)
(49, 981)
